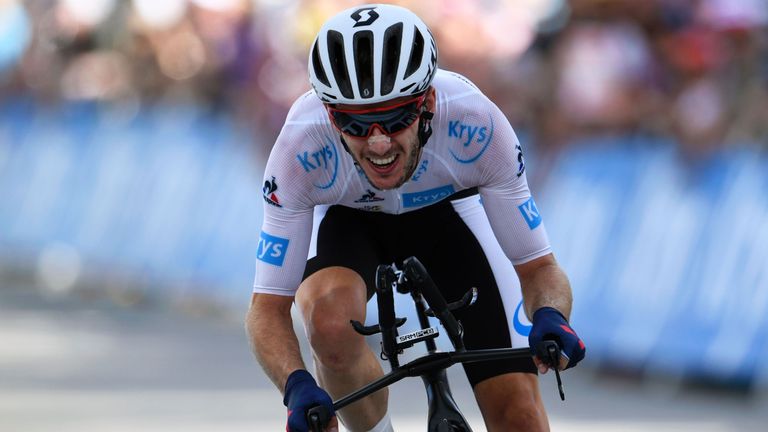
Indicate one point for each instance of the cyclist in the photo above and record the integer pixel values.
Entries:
(386, 158)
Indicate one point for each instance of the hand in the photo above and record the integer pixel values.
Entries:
(301, 394)
(550, 324)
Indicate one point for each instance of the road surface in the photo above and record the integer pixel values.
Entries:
(72, 363)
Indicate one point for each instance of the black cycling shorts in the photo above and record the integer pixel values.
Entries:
(442, 241)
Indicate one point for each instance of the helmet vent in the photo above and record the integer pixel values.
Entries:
(339, 63)
(370, 54)
(318, 66)
(393, 37)
(417, 51)
(363, 46)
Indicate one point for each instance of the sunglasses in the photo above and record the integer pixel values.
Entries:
(390, 119)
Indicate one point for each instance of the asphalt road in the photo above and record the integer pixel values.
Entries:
(86, 364)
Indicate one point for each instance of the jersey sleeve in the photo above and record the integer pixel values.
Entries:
(511, 210)
(286, 230)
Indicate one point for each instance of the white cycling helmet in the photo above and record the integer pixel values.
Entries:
(372, 53)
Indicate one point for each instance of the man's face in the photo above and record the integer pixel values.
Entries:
(388, 160)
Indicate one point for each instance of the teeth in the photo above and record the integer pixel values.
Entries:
(383, 161)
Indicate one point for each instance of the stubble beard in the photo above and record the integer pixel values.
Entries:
(412, 159)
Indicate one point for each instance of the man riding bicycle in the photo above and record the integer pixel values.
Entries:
(386, 158)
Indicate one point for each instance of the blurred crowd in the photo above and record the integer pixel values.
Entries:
(692, 70)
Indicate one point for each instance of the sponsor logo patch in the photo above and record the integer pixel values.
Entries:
(369, 196)
(325, 158)
(364, 16)
(418, 199)
(474, 140)
(269, 190)
(271, 249)
(530, 213)
(422, 169)
(523, 329)
(371, 208)
(417, 335)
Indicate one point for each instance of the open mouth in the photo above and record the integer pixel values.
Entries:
(383, 164)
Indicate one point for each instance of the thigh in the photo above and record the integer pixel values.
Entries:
(343, 237)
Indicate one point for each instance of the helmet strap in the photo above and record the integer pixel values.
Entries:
(425, 127)
(344, 143)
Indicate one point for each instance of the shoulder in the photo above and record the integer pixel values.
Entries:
(307, 157)
(306, 125)
(458, 98)
(450, 81)
(306, 109)
(466, 122)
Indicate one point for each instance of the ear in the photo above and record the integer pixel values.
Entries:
(430, 102)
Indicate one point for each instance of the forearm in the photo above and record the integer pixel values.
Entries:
(544, 283)
(273, 341)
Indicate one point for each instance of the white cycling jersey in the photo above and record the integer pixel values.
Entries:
(472, 145)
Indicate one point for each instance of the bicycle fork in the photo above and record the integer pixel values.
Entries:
(444, 414)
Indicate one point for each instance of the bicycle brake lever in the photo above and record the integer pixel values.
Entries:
(469, 298)
(553, 352)
(549, 353)
(318, 417)
(373, 329)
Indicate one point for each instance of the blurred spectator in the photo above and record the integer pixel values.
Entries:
(693, 70)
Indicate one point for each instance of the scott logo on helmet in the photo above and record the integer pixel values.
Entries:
(364, 16)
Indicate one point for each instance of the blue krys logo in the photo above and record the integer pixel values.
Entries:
(422, 169)
(530, 213)
(474, 139)
(418, 199)
(326, 158)
(523, 329)
(271, 249)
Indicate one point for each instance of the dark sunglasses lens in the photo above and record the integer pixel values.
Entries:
(391, 121)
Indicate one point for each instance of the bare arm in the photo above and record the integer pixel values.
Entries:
(544, 283)
(273, 341)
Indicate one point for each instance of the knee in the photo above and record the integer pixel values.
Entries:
(327, 310)
(335, 344)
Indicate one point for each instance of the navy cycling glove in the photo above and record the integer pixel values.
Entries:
(301, 394)
(550, 324)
